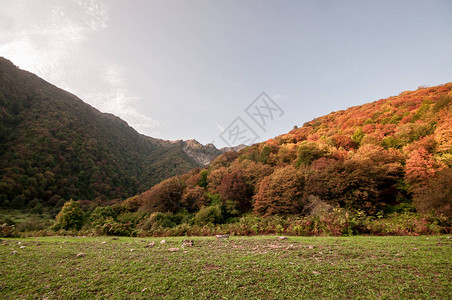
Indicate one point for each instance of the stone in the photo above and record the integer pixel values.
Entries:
(81, 254)
(311, 247)
(173, 249)
(222, 236)
(291, 247)
(162, 242)
(151, 244)
(282, 237)
(187, 243)
(315, 273)
(22, 247)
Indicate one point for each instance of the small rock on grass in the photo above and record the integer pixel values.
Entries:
(315, 273)
(222, 236)
(162, 242)
(151, 244)
(173, 249)
(187, 243)
(311, 247)
(81, 254)
(291, 247)
(22, 247)
(282, 238)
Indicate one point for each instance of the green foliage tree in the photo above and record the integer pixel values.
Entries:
(308, 152)
(209, 215)
(70, 217)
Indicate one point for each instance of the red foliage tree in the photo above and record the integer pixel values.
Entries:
(234, 193)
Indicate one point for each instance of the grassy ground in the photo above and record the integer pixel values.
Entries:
(241, 267)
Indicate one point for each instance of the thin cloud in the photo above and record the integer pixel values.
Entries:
(120, 102)
(48, 41)
(44, 43)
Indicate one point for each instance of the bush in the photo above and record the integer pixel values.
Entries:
(209, 214)
(101, 214)
(8, 230)
(70, 217)
(33, 223)
(114, 228)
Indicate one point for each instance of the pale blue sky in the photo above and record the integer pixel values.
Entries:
(186, 69)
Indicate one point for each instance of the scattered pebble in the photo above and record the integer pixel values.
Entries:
(131, 250)
(151, 244)
(63, 242)
(162, 242)
(291, 247)
(185, 251)
(173, 249)
(104, 242)
(144, 289)
(222, 236)
(81, 254)
(282, 237)
(316, 273)
(187, 243)
(311, 247)
(19, 243)
(22, 247)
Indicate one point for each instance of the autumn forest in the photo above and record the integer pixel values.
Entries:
(380, 168)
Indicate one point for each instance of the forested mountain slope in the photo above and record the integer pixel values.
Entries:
(54, 147)
(384, 156)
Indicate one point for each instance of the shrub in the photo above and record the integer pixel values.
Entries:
(8, 230)
(71, 216)
(33, 223)
(209, 214)
(114, 228)
(101, 214)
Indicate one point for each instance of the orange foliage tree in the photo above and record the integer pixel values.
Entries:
(280, 193)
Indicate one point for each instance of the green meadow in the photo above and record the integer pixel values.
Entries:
(262, 267)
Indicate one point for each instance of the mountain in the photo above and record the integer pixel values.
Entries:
(389, 155)
(54, 147)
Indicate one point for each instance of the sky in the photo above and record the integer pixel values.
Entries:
(205, 70)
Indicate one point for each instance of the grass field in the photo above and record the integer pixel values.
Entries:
(242, 267)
